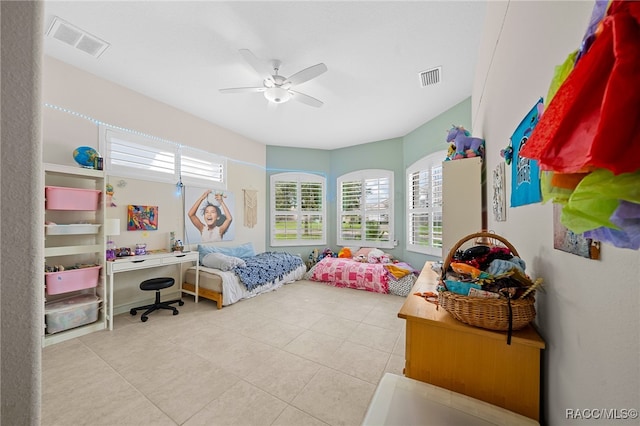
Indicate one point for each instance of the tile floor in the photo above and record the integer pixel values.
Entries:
(306, 354)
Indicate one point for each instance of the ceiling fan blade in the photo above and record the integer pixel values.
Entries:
(306, 99)
(307, 73)
(243, 90)
(261, 68)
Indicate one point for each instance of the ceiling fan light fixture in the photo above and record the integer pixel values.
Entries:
(277, 95)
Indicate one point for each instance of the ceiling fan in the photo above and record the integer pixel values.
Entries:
(276, 88)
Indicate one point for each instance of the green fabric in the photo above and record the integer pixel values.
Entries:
(596, 197)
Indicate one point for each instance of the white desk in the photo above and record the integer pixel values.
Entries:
(134, 263)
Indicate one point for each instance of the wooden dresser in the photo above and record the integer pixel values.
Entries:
(472, 361)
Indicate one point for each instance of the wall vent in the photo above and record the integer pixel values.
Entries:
(77, 38)
(430, 77)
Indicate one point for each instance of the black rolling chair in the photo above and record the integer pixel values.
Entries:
(156, 284)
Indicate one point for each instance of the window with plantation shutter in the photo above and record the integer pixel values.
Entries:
(424, 205)
(365, 209)
(202, 168)
(147, 157)
(139, 156)
(298, 211)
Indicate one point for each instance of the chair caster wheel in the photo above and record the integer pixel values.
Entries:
(143, 318)
(175, 312)
(133, 312)
(180, 303)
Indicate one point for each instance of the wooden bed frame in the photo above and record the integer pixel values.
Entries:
(204, 292)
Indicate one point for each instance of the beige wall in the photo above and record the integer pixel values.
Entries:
(589, 314)
(77, 101)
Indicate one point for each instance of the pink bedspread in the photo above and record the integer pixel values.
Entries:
(349, 273)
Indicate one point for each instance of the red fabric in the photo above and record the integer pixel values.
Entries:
(594, 119)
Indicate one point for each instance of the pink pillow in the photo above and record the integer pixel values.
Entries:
(364, 251)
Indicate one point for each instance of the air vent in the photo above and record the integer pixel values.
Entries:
(77, 38)
(430, 77)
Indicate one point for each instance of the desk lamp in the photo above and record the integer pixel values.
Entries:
(111, 228)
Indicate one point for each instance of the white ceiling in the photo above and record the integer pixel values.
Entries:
(181, 53)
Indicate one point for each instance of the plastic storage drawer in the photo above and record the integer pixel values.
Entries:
(72, 229)
(71, 312)
(62, 198)
(72, 279)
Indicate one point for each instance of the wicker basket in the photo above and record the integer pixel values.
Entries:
(493, 314)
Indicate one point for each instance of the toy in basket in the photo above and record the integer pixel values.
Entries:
(483, 283)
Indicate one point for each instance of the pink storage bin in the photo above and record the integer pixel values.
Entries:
(72, 280)
(62, 198)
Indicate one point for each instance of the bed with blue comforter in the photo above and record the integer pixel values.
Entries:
(230, 274)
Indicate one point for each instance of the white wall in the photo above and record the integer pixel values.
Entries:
(589, 315)
(72, 89)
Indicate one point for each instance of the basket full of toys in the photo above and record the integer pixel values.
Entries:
(484, 284)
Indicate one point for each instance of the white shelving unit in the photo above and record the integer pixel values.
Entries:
(77, 237)
(461, 200)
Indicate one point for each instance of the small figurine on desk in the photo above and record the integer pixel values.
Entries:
(123, 251)
(178, 246)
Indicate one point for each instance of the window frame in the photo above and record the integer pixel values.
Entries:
(424, 165)
(299, 178)
(363, 176)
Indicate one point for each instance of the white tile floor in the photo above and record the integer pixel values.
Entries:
(306, 354)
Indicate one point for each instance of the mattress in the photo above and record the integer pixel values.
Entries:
(340, 272)
(209, 279)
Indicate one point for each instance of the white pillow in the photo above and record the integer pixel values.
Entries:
(222, 261)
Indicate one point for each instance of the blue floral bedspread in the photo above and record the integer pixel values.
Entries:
(265, 267)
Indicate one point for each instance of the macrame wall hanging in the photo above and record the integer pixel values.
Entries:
(250, 207)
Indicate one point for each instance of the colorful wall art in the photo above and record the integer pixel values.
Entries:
(142, 218)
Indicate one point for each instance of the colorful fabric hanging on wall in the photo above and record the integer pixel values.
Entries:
(525, 173)
(587, 140)
(593, 120)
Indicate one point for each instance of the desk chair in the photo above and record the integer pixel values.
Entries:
(156, 284)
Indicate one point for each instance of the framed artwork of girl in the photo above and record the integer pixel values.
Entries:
(211, 217)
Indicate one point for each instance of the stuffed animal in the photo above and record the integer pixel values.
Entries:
(375, 256)
(465, 145)
(345, 253)
(507, 154)
(451, 152)
(326, 253)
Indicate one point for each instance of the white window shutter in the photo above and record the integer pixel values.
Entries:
(298, 210)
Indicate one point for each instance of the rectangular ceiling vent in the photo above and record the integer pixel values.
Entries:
(77, 38)
(430, 77)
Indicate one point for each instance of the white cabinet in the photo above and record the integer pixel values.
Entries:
(74, 266)
(462, 212)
